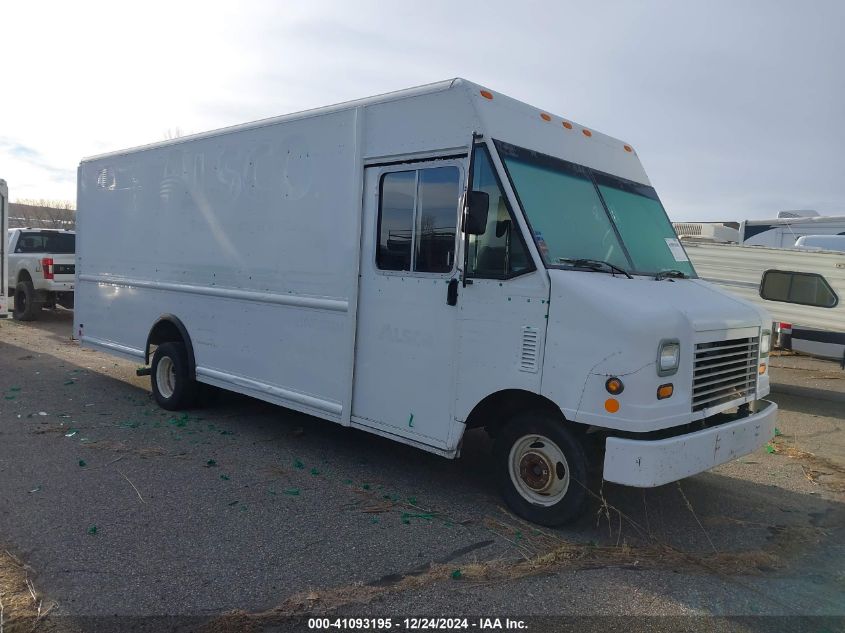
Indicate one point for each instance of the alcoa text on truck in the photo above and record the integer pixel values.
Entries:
(332, 262)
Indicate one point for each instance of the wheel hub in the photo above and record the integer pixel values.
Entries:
(536, 471)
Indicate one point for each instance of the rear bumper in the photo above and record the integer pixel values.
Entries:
(650, 463)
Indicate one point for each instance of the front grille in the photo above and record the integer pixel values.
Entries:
(63, 269)
(724, 371)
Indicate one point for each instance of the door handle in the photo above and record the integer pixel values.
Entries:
(452, 292)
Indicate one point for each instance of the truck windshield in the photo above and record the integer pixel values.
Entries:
(577, 213)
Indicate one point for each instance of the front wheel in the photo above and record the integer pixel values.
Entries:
(541, 469)
(173, 386)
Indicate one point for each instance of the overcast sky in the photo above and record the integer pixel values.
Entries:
(737, 109)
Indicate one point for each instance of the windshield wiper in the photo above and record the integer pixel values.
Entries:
(595, 264)
(672, 272)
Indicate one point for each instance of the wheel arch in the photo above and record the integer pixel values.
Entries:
(23, 275)
(170, 329)
(496, 409)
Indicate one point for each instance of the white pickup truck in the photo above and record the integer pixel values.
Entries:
(41, 270)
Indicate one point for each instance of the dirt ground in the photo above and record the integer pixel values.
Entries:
(244, 516)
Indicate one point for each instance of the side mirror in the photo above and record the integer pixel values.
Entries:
(478, 207)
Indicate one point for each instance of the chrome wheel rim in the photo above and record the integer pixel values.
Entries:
(539, 470)
(166, 377)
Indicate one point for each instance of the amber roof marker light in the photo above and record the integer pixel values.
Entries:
(628, 148)
(567, 125)
(586, 132)
(545, 117)
(487, 94)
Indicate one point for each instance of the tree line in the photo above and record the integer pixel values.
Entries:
(42, 214)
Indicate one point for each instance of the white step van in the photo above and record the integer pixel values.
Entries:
(419, 263)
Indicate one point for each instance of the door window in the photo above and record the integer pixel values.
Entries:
(499, 252)
(418, 215)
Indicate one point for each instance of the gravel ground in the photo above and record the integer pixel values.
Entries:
(122, 509)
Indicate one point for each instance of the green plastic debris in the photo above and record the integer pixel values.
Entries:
(298, 464)
(92, 530)
(82, 463)
(210, 463)
(10, 397)
(456, 575)
(366, 486)
(315, 472)
(14, 388)
(518, 536)
(411, 420)
(36, 489)
(406, 516)
(777, 432)
(347, 481)
(293, 492)
(374, 520)
(71, 432)
(412, 501)
(224, 477)
(770, 449)
(70, 382)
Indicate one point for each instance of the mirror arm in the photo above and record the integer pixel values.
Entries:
(469, 184)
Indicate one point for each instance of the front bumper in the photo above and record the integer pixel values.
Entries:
(650, 463)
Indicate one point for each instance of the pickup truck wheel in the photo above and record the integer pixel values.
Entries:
(26, 307)
(173, 386)
(541, 469)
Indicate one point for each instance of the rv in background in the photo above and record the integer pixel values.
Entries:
(803, 290)
(788, 228)
(4, 247)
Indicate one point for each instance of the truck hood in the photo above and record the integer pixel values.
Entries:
(601, 325)
(701, 305)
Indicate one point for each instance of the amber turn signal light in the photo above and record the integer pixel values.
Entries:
(762, 369)
(665, 391)
(614, 386)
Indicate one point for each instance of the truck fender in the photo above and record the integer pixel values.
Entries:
(163, 325)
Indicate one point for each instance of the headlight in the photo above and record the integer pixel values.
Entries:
(765, 343)
(668, 357)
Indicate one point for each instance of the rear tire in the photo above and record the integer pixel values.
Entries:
(541, 469)
(26, 307)
(173, 386)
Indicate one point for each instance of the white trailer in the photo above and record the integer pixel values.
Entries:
(803, 290)
(785, 231)
(4, 248)
(421, 262)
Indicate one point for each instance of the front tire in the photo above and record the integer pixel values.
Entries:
(541, 468)
(173, 386)
(26, 307)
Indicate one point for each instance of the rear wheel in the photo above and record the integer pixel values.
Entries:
(26, 307)
(173, 386)
(541, 469)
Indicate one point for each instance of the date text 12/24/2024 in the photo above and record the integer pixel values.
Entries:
(416, 624)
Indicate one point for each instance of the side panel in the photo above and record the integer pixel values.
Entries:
(250, 238)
